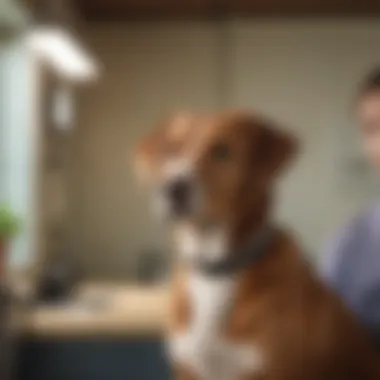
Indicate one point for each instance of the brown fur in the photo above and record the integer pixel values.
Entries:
(305, 331)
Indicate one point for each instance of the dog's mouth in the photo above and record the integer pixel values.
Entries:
(177, 199)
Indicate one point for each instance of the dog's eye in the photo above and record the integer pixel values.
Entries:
(220, 152)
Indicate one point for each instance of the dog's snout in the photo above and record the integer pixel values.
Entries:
(179, 191)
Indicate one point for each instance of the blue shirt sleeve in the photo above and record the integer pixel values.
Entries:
(333, 258)
(350, 267)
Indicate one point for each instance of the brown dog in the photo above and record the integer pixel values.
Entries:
(245, 304)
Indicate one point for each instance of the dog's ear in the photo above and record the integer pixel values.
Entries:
(147, 152)
(276, 148)
(150, 150)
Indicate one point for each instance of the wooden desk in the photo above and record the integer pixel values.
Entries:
(100, 309)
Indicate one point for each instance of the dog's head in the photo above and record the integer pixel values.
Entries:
(211, 168)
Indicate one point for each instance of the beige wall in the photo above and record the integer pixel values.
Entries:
(303, 73)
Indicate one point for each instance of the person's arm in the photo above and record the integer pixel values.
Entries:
(337, 264)
(333, 257)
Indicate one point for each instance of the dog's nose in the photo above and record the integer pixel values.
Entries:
(178, 192)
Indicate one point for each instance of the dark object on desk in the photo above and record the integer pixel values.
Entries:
(151, 267)
(58, 280)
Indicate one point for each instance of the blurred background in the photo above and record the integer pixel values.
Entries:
(81, 81)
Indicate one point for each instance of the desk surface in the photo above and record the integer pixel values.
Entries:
(100, 310)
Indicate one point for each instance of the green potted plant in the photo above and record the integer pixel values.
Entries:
(9, 227)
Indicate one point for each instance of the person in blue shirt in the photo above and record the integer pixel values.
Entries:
(352, 260)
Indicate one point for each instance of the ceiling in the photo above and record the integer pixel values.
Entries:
(179, 9)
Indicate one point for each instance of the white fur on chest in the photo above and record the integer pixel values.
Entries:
(203, 346)
(207, 246)
(210, 300)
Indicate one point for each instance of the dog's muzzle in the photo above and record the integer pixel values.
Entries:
(179, 196)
